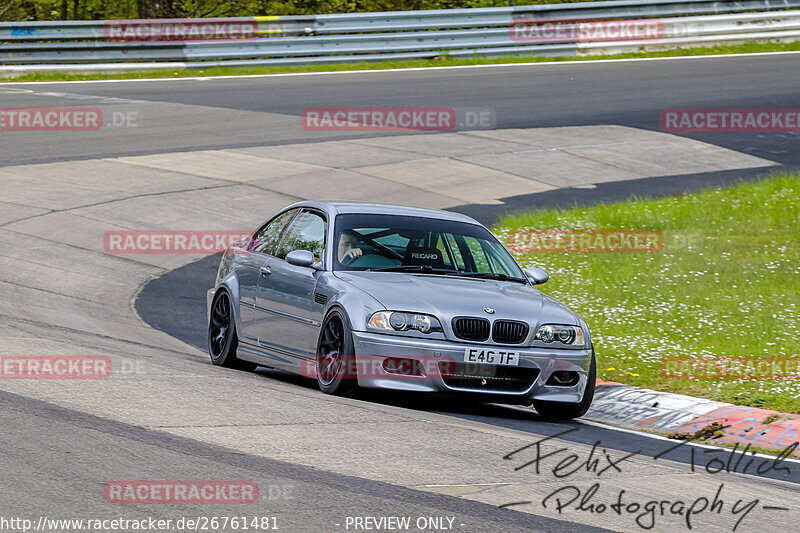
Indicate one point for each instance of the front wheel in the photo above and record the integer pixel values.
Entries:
(568, 411)
(222, 338)
(335, 355)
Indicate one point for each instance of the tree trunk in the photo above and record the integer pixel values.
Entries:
(155, 9)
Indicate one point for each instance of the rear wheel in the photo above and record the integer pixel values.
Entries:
(335, 355)
(222, 338)
(568, 411)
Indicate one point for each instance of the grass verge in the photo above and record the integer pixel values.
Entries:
(443, 60)
(725, 285)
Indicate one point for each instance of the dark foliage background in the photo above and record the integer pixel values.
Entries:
(132, 9)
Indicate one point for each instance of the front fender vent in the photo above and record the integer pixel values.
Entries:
(320, 298)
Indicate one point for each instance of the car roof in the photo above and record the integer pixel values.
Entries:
(387, 209)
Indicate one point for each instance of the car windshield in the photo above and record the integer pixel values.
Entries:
(416, 244)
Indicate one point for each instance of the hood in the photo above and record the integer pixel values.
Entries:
(446, 297)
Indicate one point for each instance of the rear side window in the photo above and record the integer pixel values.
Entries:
(306, 232)
(268, 236)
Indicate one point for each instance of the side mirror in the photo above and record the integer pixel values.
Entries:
(536, 275)
(302, 258)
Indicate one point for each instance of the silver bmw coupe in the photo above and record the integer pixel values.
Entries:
(390, 297)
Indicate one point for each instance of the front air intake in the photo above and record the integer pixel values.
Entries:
(509, 332)
(471, 329)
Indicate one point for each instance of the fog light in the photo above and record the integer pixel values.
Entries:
(402, 366)
(563, 378)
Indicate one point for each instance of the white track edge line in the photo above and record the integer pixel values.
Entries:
(411, 69)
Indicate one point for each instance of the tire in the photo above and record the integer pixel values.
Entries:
(568, 411)
(222, 338)
(335, 355)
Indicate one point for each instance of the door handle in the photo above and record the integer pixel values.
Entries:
(265, 270)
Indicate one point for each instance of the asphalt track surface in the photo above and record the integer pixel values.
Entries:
(522, 96)
(66, 451)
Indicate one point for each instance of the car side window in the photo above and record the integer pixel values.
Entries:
(453, 245)
(478, 255)
(268, 236)
(488, 257)
(307, 232)
(452, 256)
(499, 260)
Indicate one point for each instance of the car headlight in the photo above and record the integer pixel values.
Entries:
(399, 321)
(564, 335)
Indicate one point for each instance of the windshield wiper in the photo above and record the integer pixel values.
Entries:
(425, 269)
(488, 275)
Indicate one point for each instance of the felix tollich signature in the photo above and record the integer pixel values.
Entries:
(562, 464)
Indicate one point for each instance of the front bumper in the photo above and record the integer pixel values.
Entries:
(526, 381)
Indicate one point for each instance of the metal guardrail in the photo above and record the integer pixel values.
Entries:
(488, 32)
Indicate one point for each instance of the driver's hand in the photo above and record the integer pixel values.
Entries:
(352, 253)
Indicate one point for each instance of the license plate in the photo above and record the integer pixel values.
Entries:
(491, 357)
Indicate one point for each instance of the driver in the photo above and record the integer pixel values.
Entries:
(348, 250)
